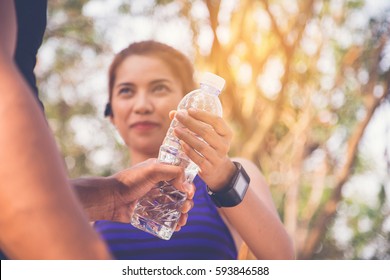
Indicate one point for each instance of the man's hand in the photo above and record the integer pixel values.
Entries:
(114, 198)
(133, 183)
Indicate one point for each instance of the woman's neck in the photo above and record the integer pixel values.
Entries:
(137, 157)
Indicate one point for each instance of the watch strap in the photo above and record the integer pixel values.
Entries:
(233, 193)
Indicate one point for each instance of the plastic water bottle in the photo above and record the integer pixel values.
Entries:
(159, 210)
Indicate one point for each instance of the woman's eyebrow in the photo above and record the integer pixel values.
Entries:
(159, 81)
(124, 84)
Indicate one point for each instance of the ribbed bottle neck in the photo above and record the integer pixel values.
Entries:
(210, 89)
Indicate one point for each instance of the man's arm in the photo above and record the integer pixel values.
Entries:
(40, 217)
(8, 28)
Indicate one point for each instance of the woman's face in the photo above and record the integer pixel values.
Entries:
(144, 92)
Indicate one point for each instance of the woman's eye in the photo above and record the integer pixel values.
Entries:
(160, 89)
(125, 91)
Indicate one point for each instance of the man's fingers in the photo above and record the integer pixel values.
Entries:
(164, 172)
(187, 206)
(182, 221)
(190, 190)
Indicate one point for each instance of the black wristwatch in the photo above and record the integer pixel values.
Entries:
(232, 194)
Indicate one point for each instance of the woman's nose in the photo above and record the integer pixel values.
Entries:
(143, 104)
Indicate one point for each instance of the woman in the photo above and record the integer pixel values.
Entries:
(146, 82)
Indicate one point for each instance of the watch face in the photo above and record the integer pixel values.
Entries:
(241, 186)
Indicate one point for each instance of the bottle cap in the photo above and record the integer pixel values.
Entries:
(213, 80)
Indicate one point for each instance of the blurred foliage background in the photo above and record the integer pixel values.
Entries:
(307, 96)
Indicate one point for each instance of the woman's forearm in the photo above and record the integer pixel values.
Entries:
(257, 221)
(260, 228)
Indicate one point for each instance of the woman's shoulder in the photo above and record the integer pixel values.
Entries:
(254, 172)
(250, 166)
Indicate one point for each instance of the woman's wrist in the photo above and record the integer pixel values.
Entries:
(225, 179)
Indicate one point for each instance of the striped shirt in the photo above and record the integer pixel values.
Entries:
(205, 236)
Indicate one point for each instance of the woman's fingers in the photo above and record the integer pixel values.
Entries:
(172, 114)
(205, 138)
(197, 150)
(216, 122)
(210, 128)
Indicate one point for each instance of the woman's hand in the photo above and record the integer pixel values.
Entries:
(216, 168)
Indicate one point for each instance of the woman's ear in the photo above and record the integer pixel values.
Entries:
(108, 113)
(108, 110)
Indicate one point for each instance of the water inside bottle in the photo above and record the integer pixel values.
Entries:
(158, 212)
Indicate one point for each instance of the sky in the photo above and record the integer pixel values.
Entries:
(374, 7)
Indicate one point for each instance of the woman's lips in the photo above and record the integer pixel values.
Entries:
(144, 126)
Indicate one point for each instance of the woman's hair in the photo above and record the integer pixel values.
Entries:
(177, 62)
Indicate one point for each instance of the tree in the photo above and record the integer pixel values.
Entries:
(288, 126)
(72, 72)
